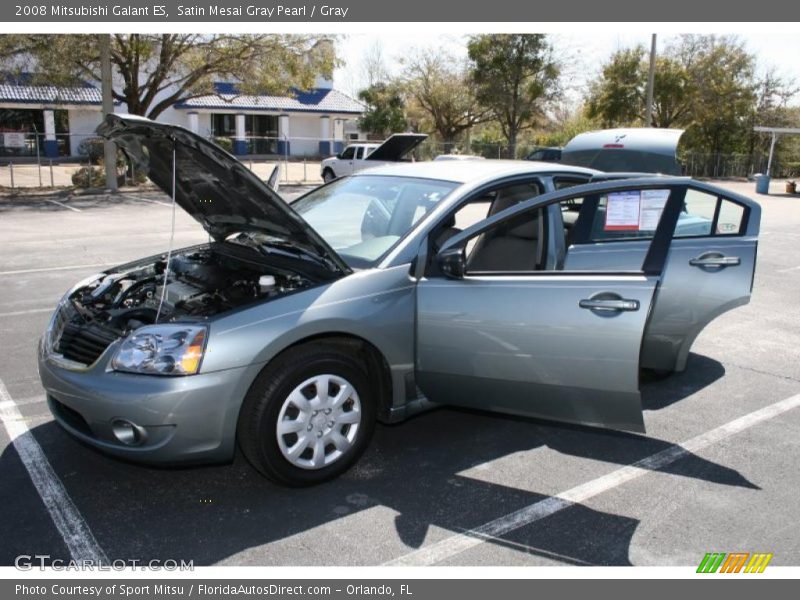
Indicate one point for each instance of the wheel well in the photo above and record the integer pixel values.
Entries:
(377, 368)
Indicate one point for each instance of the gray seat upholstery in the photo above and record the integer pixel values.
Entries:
(514, 247)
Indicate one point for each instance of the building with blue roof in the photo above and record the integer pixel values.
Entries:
(53, 121)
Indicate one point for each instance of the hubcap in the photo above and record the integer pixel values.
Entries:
(319, 421)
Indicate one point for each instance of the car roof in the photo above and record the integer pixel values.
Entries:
(467, 171)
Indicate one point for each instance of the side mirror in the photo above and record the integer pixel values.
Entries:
(452, 262)
(338, 155)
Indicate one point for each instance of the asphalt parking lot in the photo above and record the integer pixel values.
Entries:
(717, 471)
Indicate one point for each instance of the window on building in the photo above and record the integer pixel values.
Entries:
(223, 125)
(261, 131)
(22, 129)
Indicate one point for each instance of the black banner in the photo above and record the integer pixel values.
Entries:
(368, 589)
(339, 11)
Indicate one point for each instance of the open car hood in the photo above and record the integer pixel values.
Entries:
(643, 150)
(397, 146)
(212, 185)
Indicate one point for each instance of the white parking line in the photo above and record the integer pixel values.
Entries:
(788, 269)
(32, 311)
(450, 546)
(48, 269)
(149, 200)
(68, 520)
(30, 400)
(64, 205)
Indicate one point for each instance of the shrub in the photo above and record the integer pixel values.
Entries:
(224, 143)
(92, 148)
(89, 177)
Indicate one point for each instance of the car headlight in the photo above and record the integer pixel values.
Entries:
(162, 350)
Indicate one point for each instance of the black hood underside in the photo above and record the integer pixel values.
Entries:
(212, 185)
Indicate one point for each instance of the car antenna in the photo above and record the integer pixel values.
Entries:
(171, 233)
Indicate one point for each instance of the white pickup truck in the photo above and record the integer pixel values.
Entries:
(364, 155)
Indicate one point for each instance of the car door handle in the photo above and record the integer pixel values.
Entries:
(715, 261)
(608, 304)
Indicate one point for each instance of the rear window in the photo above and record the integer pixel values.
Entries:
(706, 214)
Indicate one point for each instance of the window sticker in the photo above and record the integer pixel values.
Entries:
(622, 211)
(651, 207)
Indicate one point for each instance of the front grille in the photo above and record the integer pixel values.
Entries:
(60, 319)
(85, 343)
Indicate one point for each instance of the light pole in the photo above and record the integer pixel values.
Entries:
(110, 150)
(651, 76)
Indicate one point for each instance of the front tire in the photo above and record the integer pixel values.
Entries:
(308, 417)
(328, 175)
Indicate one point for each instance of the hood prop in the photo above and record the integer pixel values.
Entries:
(171, 234)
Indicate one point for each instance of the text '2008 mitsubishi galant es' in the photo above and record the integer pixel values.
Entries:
(512, 286)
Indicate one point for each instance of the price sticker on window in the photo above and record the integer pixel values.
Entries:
(650, 208)
(622, 211)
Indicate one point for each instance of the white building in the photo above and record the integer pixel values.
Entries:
(311, 123)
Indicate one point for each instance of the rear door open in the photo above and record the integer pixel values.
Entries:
(707, 270)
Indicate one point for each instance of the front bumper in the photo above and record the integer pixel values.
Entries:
(189, 419)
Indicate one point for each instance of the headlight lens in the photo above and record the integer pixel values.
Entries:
(162, 350)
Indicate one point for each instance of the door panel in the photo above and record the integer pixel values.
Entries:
(524, 345)
(607, 256)
(703, 278)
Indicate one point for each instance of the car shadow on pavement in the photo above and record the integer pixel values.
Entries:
(432, 472)
(661, 391)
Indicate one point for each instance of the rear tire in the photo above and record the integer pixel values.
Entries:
(308, 417)
(328, 175)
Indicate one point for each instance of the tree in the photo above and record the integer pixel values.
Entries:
(373, 65)
(673, 93)
(515, 76)
(772, 109)
(385, 112)
(441, 89)
(618, 97)
(156, 71)
(724, 88)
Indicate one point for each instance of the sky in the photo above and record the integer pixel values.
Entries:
(585, 53)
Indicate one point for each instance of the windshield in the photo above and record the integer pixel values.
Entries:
(363, 217)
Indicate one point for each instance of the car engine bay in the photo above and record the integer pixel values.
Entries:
(201, 282)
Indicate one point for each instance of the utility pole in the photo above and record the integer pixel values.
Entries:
(651, 76)
(110, 150)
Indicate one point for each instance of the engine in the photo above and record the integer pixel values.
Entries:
(200, 282)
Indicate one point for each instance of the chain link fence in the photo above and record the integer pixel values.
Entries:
(430, 149)
(26, 166)
(722, 166)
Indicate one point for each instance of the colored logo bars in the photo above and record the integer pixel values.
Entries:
(734, 562)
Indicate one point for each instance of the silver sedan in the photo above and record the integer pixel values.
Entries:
(519, 287)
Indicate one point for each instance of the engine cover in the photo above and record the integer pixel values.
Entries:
(179, 291)
(203, 270)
